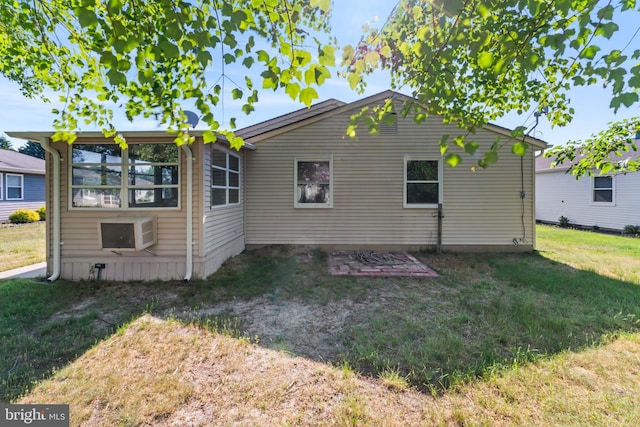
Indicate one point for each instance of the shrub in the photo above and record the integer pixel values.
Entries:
(563, 221)
(23, 216)
(595, 228)
(43, 213)
(632, 230)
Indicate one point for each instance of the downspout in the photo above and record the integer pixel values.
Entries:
(189, 266)
(44, 143)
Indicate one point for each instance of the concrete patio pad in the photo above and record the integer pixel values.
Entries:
(377, 263)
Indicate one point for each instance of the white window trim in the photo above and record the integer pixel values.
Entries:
(21, 186)
(295, 182)
(408, 158)
(226, 187)
(593, 189)
(1, 186)
(124, 185)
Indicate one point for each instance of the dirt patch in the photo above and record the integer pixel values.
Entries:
(293, 326)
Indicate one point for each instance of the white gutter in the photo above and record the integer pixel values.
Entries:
(44, 143)
(189, 266)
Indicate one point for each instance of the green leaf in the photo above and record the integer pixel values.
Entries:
(327, 56)
(292, 89)
(444, 145)
(519, 148)
(471, 147)
(354, 79)
(485, 59)
(607, 30)
(116, 77)
(491, 157)
(606, 13)
(590, 52)
(248, 61)
(209, 136)
(236, 93)
(86, 17)
(307, 95)
(322, 4)
(453, 159)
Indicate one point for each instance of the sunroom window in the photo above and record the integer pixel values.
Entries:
(225, 178)
(143, 176)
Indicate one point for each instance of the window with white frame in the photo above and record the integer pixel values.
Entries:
(142, 176)
(1, 188)
(422, 182)
(15, 186)
(313, 187)
(603, 190)
(225, 178)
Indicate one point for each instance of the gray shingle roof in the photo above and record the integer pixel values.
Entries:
(12, 161)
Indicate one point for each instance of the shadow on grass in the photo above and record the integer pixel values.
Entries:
(485, 313)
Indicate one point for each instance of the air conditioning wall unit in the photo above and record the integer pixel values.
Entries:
(127, 234)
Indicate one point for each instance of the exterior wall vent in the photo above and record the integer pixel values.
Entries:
(127, 234)
(386, 129)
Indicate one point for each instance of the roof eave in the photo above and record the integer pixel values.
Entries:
(37, 136)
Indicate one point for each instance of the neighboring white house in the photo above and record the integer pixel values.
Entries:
(608, 202)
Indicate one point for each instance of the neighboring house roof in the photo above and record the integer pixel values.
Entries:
(545, 164)
(12, 161)
(298, 118)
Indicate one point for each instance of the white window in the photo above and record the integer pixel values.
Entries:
(104, 176)
(1, 187)
(603, 190)
(225, 178)
(15, 185)
(422, 182)
(313, 188)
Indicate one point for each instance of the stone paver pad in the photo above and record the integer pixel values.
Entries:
(377, 263)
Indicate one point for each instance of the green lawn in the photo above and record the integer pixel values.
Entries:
(486, 315)
(22, 245)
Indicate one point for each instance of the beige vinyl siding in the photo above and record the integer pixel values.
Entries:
(165, 260)
(481, 209)
(223, 225)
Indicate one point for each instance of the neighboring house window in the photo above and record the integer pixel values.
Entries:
(142, 176)
(603, 189)
(422, 182)
(313, 187)
(15, 185)
(1, 188)
(225, 178)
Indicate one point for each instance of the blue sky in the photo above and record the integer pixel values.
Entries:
(18, 113)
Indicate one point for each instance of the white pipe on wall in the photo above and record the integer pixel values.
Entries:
(55, 211)
(189, 266)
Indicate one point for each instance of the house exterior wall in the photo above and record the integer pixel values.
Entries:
(481, 209)
(217, 234)
(223, 225)
(559, 194)
(33, 195)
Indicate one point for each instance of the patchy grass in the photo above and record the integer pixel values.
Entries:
(611, 256)
(164, 373)
(544, 339)
(22, 245)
